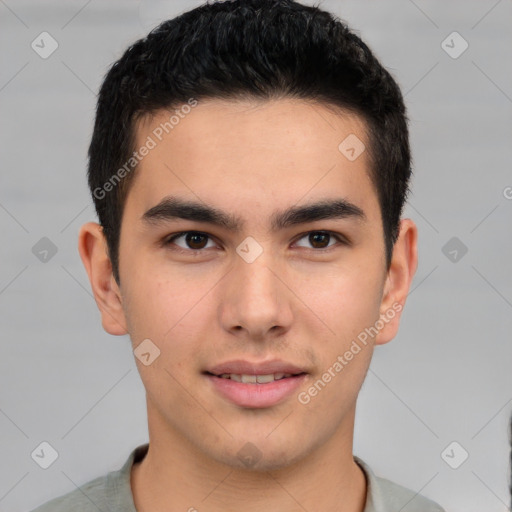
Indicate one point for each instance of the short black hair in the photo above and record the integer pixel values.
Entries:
(248, 49)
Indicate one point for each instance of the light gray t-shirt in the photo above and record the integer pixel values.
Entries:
(112, 493)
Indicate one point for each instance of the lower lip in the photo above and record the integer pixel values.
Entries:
(257, 395)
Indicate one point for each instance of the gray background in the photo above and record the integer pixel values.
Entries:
(447, 375)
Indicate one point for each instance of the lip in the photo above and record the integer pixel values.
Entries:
(241, 367)
(256, 396)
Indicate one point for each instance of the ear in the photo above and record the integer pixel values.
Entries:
(93, 250)
(398, 280)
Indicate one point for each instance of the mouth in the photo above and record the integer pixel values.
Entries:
(256, 391)
(256, 379)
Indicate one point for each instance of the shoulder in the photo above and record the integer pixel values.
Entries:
(397, 497)
(109, 492)
(88, 498)
(383, 495)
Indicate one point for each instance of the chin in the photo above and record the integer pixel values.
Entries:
(259, 456)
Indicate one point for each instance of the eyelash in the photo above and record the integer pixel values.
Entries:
(169, 240)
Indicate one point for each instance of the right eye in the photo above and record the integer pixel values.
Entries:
(194, 241)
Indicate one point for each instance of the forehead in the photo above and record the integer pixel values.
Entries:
(297, 127)
(251, 154)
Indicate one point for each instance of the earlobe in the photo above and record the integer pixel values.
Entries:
(398, 281)
(93, 252)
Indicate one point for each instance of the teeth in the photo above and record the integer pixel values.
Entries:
(255, 379)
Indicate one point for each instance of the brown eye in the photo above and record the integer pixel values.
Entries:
(194, 240)
(321, 239)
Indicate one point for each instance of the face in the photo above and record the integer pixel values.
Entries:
(238, 279)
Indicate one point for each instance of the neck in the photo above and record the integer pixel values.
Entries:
(174, 473)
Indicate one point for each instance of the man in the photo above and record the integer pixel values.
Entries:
(249, 165)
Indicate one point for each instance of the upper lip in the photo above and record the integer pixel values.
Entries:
(241, 367)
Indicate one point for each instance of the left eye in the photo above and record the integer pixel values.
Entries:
(320, 239)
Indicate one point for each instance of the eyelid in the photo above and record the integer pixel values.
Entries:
(338, 236)
(168, 240)
(342, 240)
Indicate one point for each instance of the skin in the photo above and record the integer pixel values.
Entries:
(296, 302)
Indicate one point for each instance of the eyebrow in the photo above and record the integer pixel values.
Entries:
(172, 208)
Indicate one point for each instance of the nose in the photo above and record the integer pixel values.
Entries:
(255, 301)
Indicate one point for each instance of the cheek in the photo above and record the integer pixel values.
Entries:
(169, 313)
(347, 299)
(348, 307)
(157, 312)
(145, 313)
(154, 304)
